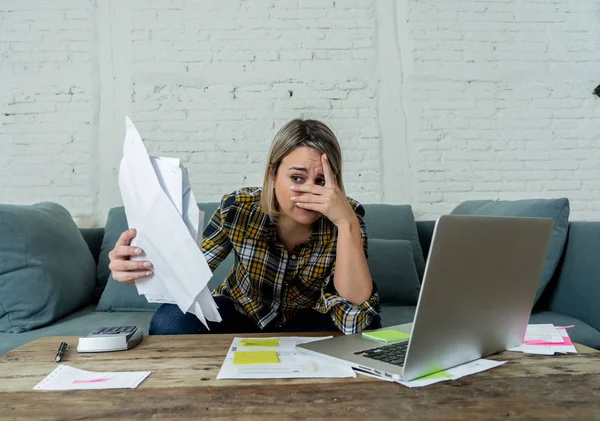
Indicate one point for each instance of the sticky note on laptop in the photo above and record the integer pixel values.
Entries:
(386, 335)
(259, 342)
(255, 357)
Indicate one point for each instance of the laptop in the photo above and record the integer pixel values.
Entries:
(476, 297)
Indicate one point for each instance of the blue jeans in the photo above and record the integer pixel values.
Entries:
(169, 320)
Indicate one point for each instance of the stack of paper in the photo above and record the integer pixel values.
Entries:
(277, 358)
(160, 205)
(546, 339)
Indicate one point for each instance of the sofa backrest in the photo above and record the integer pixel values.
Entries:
(577, 278)
(391, 229)
(575, 288)
(93, 237)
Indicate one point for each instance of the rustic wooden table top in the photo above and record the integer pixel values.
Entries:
(183, 385)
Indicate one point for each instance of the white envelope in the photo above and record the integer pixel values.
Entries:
(160, 205)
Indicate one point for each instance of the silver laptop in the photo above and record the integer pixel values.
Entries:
(476, 298)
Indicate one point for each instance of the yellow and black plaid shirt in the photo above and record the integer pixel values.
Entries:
(268, 284)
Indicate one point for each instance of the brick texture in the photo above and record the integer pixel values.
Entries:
(497, 95)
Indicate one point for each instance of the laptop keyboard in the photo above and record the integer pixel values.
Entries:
(391, 354)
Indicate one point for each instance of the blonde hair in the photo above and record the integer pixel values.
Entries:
(295, 134)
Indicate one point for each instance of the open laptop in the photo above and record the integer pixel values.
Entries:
(476, 297)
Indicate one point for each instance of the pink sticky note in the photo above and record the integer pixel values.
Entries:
(539, 342)
(567, 340)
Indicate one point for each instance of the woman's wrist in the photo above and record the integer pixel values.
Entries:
(349, 224)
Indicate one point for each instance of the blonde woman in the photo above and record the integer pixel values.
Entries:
(300, 248)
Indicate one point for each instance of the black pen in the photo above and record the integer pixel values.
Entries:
(61, 350)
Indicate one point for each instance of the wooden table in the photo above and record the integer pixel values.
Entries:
(183, 385)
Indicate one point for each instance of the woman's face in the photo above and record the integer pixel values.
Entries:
(301, 166)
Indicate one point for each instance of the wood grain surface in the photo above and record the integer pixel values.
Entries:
(183, 385)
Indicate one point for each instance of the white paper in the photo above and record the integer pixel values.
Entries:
(160, 204)
(65, 377)
(536, 331)
(543, 332)
(456, 372)
(292, 363)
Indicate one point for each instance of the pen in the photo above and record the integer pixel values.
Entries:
(61, 350)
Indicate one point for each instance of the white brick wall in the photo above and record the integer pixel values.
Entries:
(434, 102)
(214, 82)
(46, 104)
(501, 102)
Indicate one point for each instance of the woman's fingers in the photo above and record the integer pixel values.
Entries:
(308, 198)
(123, 252)
(125, 265)
(126, 237)
(129, 277)
(124, 269)
(330, 180)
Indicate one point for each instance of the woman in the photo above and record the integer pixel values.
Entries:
(300, 248)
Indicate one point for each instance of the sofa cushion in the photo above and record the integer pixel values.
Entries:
(396, 315)
(581, 332)
(557, 209)
(394, 222)
(122, 297)
(46, 268)
(577, 289)
(392, 267)
(116, 224)
(79, 323)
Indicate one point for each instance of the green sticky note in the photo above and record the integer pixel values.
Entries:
(387, 335)
(255, 357)
(259, 342)
(438, 375)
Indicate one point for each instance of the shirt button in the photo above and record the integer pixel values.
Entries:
(293, 257)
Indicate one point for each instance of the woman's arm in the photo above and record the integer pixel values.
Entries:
(216, 244)
(352, 279)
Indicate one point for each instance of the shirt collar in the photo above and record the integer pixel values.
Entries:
(266, 230)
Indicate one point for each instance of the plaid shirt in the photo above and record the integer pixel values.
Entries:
(268, 284)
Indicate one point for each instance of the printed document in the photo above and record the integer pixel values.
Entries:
(160, 205)
(65, 377)
(277, 358)
(546, 339)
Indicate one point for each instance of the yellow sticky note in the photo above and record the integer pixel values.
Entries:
(438, 375)
(387, 335)
(255, 357)
(258, 342)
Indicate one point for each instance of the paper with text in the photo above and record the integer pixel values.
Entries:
(543, 340)
(291, 363)
(454, 373)
(65, 377)
(160, 205)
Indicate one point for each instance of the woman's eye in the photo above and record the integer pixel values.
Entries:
(296, 179)
(320, 181)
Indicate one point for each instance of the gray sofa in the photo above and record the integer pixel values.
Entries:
(571, 296)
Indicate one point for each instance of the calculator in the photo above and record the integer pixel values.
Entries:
(113, 338)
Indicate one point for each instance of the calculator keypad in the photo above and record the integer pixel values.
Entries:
(115, 330)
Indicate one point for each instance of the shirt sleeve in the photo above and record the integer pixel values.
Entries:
(348, 317)
(216, 243)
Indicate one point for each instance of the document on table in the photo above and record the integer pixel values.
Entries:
(442, 376)
(277, 358)
(546, 339)
(65, 377)
(160, 205)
